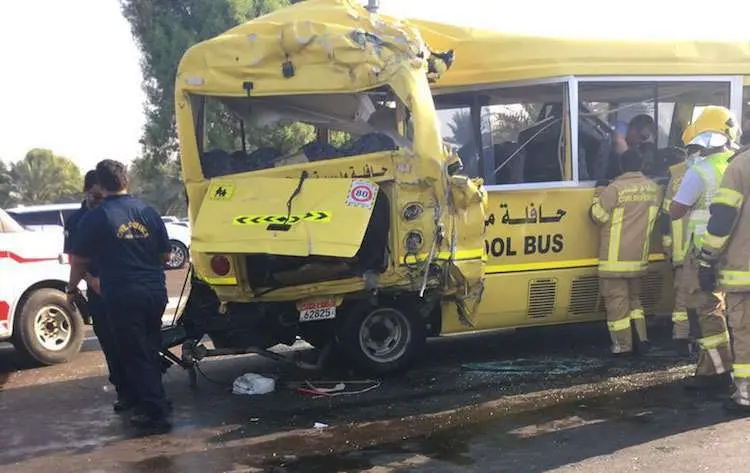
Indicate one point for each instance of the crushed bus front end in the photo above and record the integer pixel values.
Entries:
(355, 245)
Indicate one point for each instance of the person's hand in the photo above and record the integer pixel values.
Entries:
(71, 295)
(93, 284)
(706, 276)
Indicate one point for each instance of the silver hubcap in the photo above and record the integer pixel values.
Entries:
(384, 335)
(53, 328)
(178, 256)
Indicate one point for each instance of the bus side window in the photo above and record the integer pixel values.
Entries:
(648, 116)
(524, 133)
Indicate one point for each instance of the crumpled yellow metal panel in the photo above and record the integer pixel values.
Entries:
(313, 46)
(329, 46)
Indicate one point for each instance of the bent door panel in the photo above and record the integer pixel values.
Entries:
(251, 215)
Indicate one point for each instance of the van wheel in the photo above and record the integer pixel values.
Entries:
(48, 330)
(179, 256)
(381, 340)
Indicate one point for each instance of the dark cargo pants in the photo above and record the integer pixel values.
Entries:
(106, 335)
(136, 322)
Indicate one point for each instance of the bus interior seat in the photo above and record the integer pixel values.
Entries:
(261, 158)
(512, 171)
(216, 163)
(369, 143)
(595, 148)
(319, 151)
(542, 140)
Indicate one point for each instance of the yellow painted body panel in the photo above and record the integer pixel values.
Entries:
(319, 222)
(485, 57)
(533, 263)
(542, 251)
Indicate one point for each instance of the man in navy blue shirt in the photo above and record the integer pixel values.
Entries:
(94, 303)
(128, 241)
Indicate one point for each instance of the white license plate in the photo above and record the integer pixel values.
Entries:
(318, 310)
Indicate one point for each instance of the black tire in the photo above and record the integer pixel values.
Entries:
(361, 319)
(180, 255)
(64, 327)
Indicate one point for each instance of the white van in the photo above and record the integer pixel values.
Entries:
(34, 312)
(52, 217)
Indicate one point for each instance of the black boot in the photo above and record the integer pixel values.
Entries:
(151, 424)
(642, 348)
(623, 355)
(709, 383)
(123, 405)
(682, 347)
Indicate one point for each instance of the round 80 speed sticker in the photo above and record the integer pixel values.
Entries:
(362, 194)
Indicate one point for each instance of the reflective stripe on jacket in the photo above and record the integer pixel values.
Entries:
(732, 224)
(676, 242)
(626, 211)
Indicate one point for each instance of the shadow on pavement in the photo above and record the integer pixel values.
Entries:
(530, 442)
(77, 417)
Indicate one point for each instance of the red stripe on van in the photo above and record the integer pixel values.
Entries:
(4, 311)
(21, 259)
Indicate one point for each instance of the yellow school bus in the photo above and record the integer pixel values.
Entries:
(366, 248)
(523, 98)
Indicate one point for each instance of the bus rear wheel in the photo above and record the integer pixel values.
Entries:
(381, 340)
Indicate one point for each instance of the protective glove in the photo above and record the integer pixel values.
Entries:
(707, 276)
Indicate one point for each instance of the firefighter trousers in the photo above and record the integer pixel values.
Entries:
(714, 356)
(622, 300)
(738, 316)
(680, 320)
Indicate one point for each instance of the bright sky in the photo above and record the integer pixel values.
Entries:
(71, 78)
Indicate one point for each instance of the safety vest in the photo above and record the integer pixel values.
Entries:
(677, 241)
(729, 244)
(710, 169)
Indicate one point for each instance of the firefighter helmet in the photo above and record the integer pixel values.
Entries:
(715, 127)
(688, 134)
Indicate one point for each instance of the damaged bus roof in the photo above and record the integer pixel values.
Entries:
(316, 46)
(484, 57)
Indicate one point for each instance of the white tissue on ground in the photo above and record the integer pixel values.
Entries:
(252, 383)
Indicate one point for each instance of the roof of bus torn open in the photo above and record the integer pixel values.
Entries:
(316, 46)
(486, 57)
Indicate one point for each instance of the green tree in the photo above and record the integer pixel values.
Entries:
(461, 127)
(164, 30)
(508, 122)
(44, 178)
(160, 185)
(504, 122)
(7, 198)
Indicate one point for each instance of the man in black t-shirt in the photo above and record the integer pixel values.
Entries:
(128, 241)
(94, 303)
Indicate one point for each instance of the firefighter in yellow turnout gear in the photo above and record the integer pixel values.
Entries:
(626, 211)
(726, 246)
(674, 242)
(715, 131)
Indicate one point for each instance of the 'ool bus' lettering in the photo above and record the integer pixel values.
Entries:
(532, 244)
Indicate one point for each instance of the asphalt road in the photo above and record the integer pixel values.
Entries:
(555, 402)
